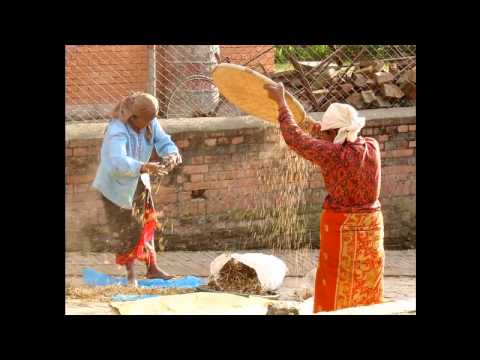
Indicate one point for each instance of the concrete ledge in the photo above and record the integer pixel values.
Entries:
(75, 131)
(396, 307)
(379, 114)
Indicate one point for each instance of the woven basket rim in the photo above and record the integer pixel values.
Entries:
(255, 101)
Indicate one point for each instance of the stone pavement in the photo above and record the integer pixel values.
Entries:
(397, 263)
(400, 274)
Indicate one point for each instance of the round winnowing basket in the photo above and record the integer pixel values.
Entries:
(244, 88)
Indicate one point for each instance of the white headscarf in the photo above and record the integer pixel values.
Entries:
(345, 118)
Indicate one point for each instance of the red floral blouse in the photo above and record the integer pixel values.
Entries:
(351, 170)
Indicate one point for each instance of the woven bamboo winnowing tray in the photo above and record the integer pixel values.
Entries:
(244, 88)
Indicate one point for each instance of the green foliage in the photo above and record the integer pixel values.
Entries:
(320, 52)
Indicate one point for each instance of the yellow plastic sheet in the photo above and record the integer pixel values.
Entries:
(201, 303)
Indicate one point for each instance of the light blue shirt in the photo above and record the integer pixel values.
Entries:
(123, 153)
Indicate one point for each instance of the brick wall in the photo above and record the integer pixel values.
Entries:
(101, 75)
(98, 76)
(222, 158)
(240, 54)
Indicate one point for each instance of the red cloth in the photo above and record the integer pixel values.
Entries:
(351, 170)
(140, 251)
(351, 260)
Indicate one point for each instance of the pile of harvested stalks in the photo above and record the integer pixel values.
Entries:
(237, 277)
(272, 310)
(105, 293)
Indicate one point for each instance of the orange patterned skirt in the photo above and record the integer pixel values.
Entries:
(351, 261)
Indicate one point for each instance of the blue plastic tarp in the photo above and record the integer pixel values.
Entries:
(128, 297)
(95, 278)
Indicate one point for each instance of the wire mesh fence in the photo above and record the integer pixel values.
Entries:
(366, 76)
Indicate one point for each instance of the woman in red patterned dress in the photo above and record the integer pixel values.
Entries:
(351, 260)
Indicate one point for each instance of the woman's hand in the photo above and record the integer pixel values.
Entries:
(276, 92)
(152, 168)
(172, 160)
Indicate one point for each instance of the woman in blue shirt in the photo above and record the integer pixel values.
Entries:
(127, 147)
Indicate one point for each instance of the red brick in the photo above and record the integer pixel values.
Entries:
(382, 138)
(80, 151)
(252, 173)
(238, 174)
(81, 188)
(412, 144)
(224, 184)
(180, 179)
(398, 169)
(167, 198)
(272, 138)
(367, 131)
(101, 217)
(93, 150)
(397, 153)
(215, 207)
(264, 155)
(237, 140)
(412, 127)
(395, 188)
(229, 166)
(223, 141)
(195, 169)
(229, 175)
(164, 190)
(210, 142)
(413, 187)
(247, 182)
(80, 179)
(211, 159)
(171, 211)
(388, 129)
(197, 160)
(217, 134)
(201, 207)
(196, 177)
(184, 196)
(91, 198)
(211, 176)
(215, 167)
(251, 157)
(403, 128)
(197, 186)
(402, 152)
(70, 189)
(68, 152)
(396, 144)
(182, 143)
(238, 157)
(187, 209)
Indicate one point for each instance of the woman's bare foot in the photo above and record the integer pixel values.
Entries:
(154, 272)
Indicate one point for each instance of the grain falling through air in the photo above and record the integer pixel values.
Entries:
(283, 188)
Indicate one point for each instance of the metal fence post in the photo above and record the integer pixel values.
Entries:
(151, 87)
